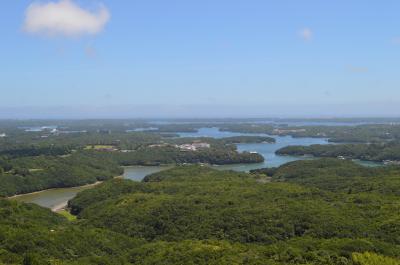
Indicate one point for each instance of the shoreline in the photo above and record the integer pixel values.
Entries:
(99, 182)
(59, 207)
(52, 189)
(83, 186)
(63, 205)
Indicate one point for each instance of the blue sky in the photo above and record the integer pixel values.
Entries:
(206, 58)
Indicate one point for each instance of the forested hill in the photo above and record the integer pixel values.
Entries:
(300, 213)
(306, 214)
(339, 176)
(372, 152)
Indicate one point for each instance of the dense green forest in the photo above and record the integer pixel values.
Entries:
(305, 199)
(311, 212)
(29, 174)
(372, 152)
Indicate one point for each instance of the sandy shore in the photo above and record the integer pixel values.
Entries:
(60, 207)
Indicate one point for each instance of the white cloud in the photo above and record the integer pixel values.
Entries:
(306, 34)
(64, 18)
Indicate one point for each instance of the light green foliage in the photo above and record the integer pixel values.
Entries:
(368, 258)
(67, 215)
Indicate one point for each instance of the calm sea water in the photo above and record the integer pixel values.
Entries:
(267, 150)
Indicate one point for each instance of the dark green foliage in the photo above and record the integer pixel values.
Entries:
(39, 173)
(107, 190)
(372, 133)
(264, 171)
(172, 155)
(50, 150)
(30, 234)
(192, 203)
(372, 152)
(196, 215)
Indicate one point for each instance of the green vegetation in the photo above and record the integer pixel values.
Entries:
(372, 133)
(326, 211)
(341, 176)
(372, 152)
(368, 258)
(307, 221)
(33, 235)
(34, 161)
(79, 153)
(67, 215)
(308, 214)
(55, 172)
(172, 155)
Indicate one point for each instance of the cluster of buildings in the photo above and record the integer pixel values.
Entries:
(193, 146)
(2, 135)
(185, 147)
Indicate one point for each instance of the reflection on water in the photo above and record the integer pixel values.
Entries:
(51, 198)
(137, 173)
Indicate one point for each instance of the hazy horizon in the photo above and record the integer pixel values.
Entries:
(198, 112)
